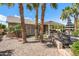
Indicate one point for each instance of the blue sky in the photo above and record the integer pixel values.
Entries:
(50, 13)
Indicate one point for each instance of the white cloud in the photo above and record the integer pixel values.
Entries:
(28, 18)
(3, 19)
(38, 20)
(16, 15)
(63, 21)
(24, 17)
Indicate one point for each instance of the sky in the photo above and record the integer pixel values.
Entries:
(50, 13)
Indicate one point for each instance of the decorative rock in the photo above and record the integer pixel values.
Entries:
(58, 44)
(49, 44)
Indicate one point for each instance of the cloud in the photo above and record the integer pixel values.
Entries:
(16, 15)
(39, 20)
(3, 19)
(24, 17)
(63, 21)
(27, 18)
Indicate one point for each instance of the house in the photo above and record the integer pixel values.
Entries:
(30, 28)
(30, 25)
(52, 25)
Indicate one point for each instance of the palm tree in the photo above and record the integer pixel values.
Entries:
(21, 11)
(75, 14)
(72, 11)
(36, 21)
(54, 5)
(35, 7)
(23, 27)
(42, 21)
(66, 13)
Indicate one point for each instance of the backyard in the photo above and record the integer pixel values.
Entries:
(39, 29)
(14, 47)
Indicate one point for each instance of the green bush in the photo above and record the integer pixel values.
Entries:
(2, 26)
(75, 48)
(75, 33)
(15, 30)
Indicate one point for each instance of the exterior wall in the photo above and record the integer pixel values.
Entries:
(30, 29)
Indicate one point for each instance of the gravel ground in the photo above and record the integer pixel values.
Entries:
(13, 47)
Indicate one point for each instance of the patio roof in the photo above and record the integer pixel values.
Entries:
(52, 22)
(12, 19)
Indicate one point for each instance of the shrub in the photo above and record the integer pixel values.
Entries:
(75, 48)
(75, 33)
(2, 26)
(16, 30)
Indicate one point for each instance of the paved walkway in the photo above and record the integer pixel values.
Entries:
(13, 47)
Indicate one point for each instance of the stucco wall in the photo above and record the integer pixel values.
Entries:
(30, 28)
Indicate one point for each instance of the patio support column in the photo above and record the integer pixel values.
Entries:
(49, 29)
(53, 27)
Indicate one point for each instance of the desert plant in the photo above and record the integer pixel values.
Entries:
(16, 29)
(75, 48)
(75, 33)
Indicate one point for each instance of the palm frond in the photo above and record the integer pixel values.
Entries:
(54, 5)
(44, 6)
(29, 6)
(10, 4)
(35, 5)
(75, 8)
(1, 4)
(66, 13)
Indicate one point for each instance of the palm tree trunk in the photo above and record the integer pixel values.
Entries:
(36, 24)
(23, 27)
(42, 22)
(75, 24)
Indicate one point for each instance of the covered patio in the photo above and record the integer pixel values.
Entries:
(51, 25)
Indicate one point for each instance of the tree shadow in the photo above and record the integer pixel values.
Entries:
(0, 39)
(6, 53)
(33, 41)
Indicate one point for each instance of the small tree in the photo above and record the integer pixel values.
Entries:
(17, 30)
